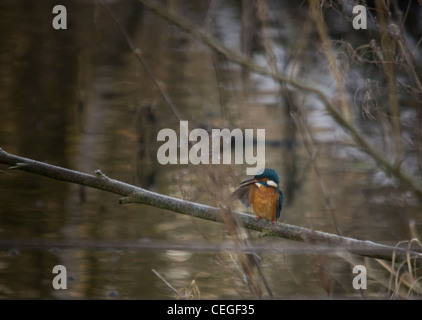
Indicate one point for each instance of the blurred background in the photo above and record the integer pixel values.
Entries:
(80, 98)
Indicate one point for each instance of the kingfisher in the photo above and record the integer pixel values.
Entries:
(263, 193)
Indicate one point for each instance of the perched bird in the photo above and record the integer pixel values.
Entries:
(263, 193)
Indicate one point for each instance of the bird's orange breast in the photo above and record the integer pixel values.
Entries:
(264, 202)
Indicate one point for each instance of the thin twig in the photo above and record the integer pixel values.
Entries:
(139, 55)
(167, 283)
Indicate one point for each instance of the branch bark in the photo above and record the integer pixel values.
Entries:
(133, 194)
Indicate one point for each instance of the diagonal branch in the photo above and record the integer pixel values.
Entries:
(135, 194)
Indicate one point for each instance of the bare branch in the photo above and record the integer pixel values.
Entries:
(132, 194)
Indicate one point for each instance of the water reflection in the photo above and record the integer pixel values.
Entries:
(81, 99)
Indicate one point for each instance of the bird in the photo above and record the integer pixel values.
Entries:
(263, 193)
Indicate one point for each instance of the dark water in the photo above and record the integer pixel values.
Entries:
(80, 98)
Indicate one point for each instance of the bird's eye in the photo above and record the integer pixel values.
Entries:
(272, 183)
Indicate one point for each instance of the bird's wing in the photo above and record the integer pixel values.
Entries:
(243, 194)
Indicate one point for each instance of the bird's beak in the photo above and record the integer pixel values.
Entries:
(247, 182)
